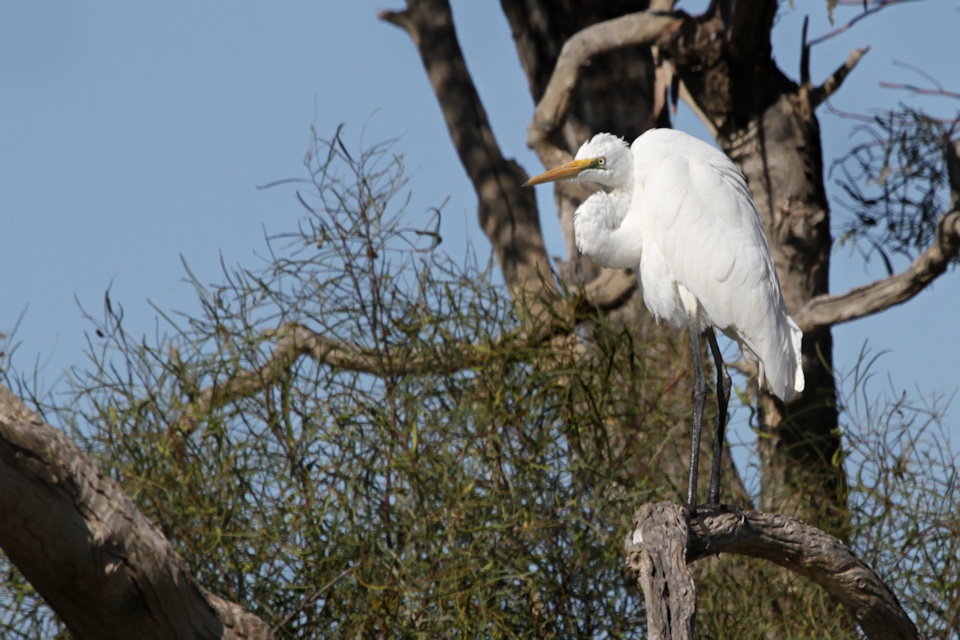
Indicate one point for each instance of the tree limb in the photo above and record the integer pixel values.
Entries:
(508, 213)
(831, 84)
(83, 544)
(782, 540)
(630, 30)
(857, 303)
(829, 310)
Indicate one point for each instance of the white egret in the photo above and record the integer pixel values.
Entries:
(678, 212)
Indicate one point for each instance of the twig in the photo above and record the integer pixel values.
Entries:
(882, 4)
(312, 598)
(920, 90)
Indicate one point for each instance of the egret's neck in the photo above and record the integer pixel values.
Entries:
(599, 226)
(620, 199)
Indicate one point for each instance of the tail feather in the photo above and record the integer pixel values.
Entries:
(796, 337)
(782, 366)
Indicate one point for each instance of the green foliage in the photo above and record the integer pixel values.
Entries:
(472, 497)
(904, 476)
(443, 479)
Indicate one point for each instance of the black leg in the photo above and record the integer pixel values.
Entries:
(723, 397)
(699, 397)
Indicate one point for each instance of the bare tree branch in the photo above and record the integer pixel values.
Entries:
(609, 288)
(828, 310)
(83, 544)
(633, 29)
(921, 91)
(875, 297)
(831, 84)
(658, 542)
(508, 213)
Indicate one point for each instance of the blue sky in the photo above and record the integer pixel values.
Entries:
(132, 134)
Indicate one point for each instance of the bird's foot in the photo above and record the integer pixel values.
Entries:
(713, 507)
(699, 511)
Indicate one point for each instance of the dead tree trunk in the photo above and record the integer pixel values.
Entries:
(666, 541)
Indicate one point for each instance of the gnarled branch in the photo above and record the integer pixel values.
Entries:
(829, 310)
(630, 30)
(508, 213)
(666, 539)
(83, 544)
(294, 340)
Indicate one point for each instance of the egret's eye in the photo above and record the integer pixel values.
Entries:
(601, 161)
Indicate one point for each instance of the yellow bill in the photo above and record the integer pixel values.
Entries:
(570, 170)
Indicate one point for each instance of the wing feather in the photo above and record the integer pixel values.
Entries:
(703, 233)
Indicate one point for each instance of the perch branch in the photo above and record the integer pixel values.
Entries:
(83, 544)
(664, 540)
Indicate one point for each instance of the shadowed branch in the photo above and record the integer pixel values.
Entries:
(83, 544)
(508, 213)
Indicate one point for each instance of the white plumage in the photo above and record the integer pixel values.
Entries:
(678, 212)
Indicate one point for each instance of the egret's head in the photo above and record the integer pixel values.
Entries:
(604, 158)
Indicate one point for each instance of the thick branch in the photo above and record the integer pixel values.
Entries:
(785, 541)
(94, 557)
(828, 310)
(630, 30)
(656, 553)
(508, 213)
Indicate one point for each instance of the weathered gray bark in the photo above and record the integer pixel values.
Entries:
(665, 542)
(82, 543)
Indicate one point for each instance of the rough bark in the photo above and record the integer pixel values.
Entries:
(508, 213)
(82, 543)
(665, 541)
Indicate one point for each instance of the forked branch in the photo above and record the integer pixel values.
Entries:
(665, 542)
